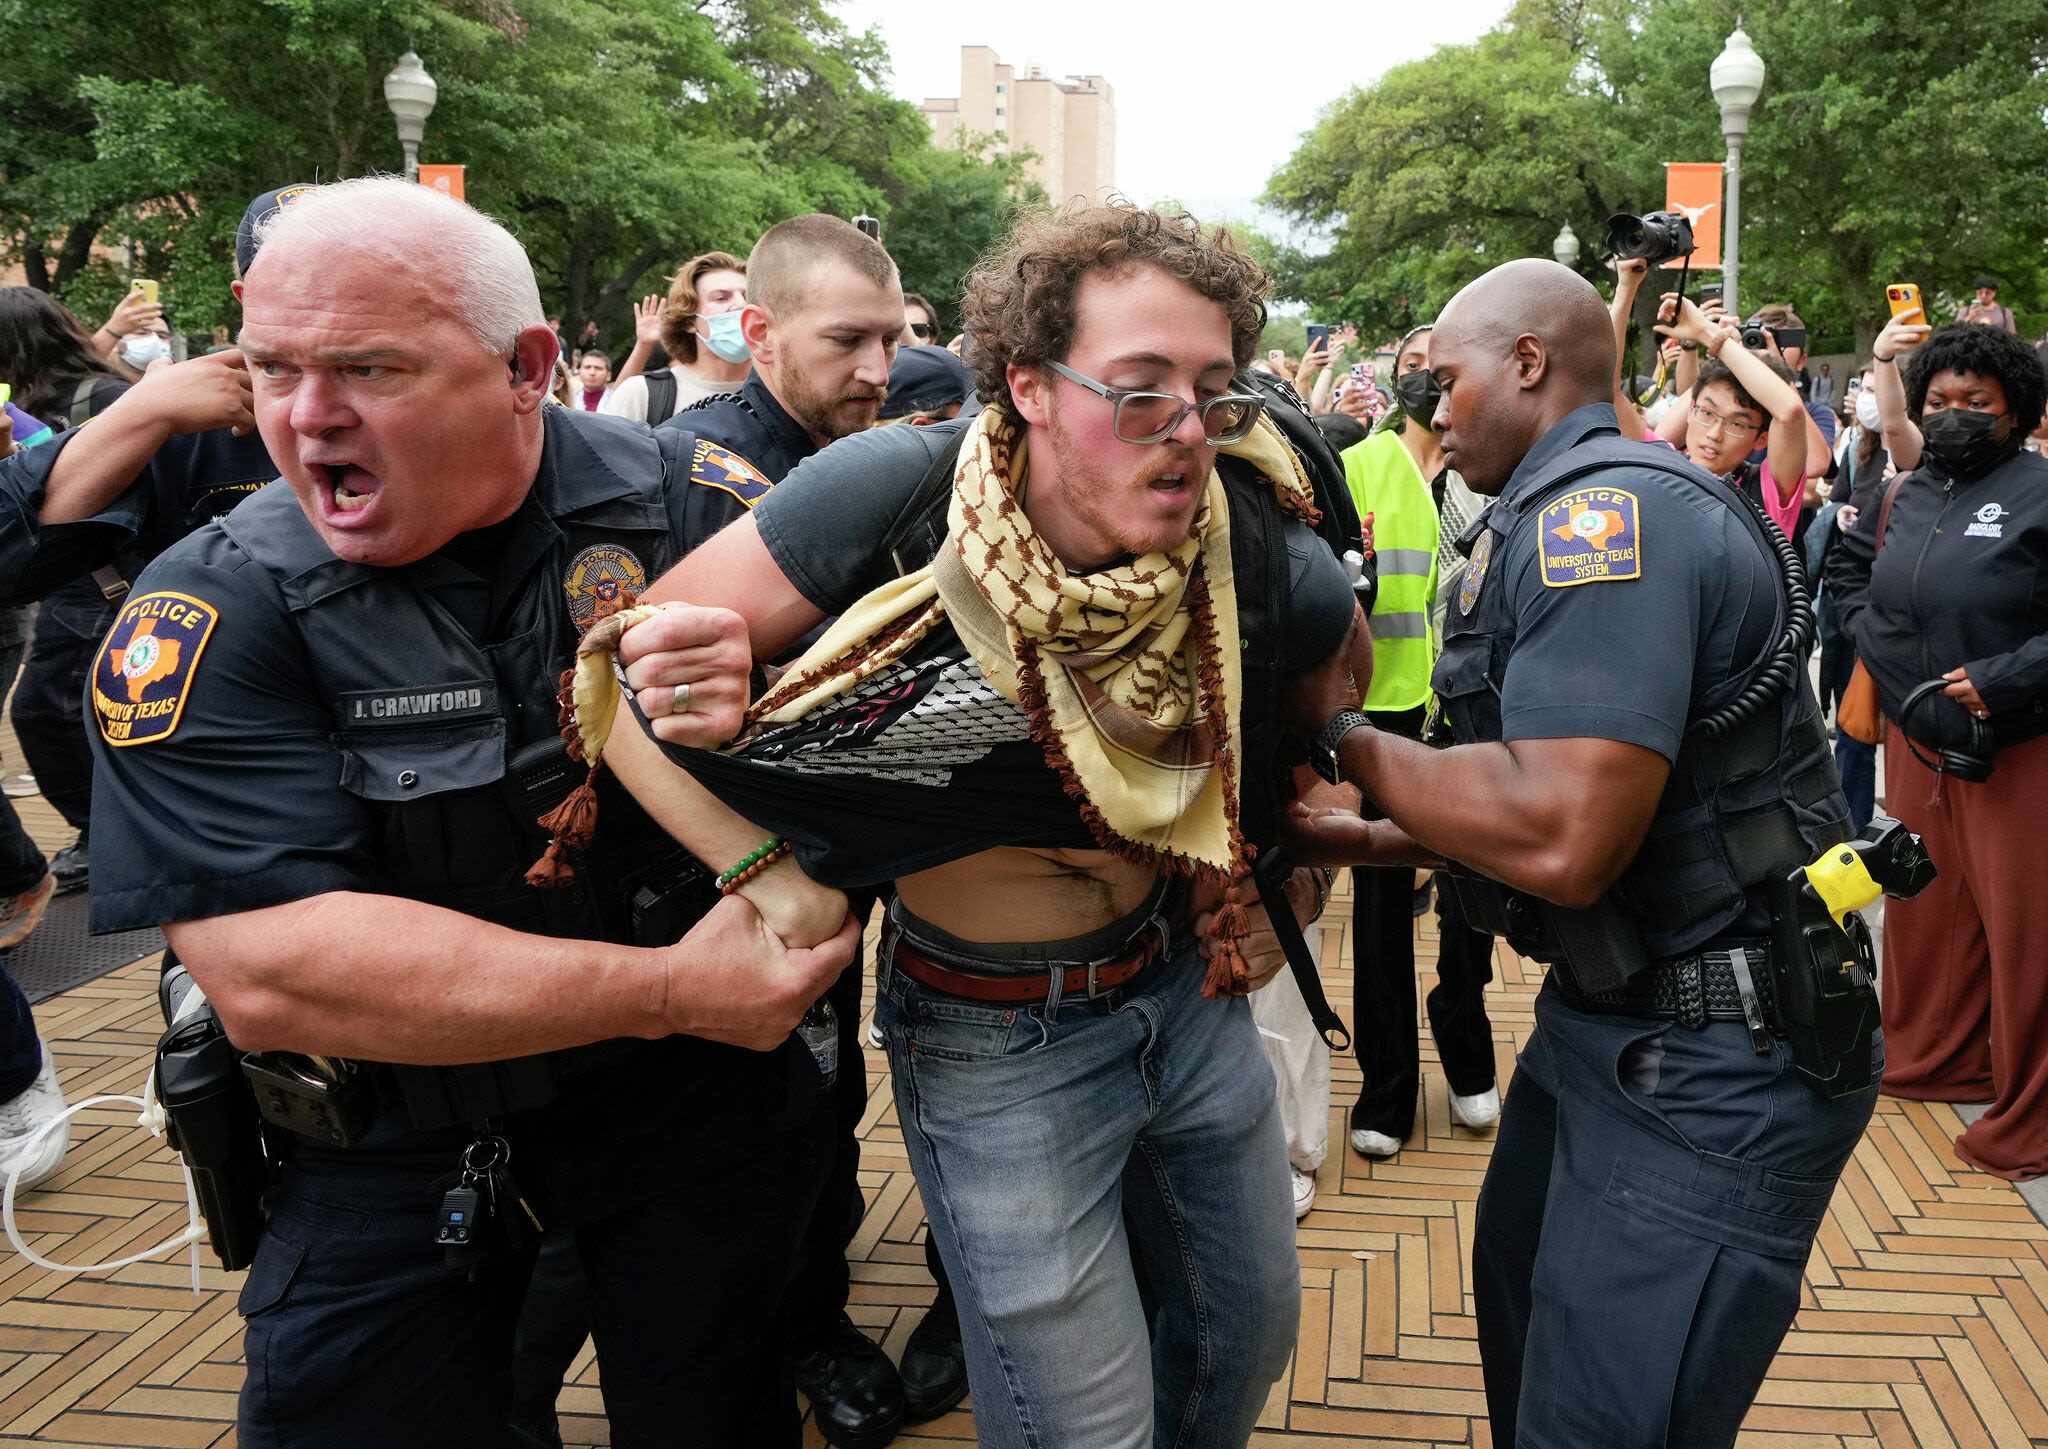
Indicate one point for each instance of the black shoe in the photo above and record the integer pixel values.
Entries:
(1419, 902)
(934, 1363)
(71, 867)
(854, 1390)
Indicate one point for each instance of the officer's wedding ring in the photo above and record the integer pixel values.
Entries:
(679, 703)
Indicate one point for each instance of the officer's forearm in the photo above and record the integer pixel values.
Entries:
(1559, 819)
(395, 980)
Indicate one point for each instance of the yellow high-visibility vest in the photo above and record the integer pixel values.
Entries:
(1386, 483)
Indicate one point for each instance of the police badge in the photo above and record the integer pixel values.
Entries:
(600, 575)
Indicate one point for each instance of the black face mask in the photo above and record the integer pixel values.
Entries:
(1418, 394)
(1964, 441)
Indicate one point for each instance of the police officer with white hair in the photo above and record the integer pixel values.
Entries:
(325, 728)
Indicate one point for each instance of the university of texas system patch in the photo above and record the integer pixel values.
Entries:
(1589, 537)
(144, 670)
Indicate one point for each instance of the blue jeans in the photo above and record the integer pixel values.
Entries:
(1035, 1132)
(1651, 1203)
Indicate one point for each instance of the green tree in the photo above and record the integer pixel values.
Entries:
(1892, 142)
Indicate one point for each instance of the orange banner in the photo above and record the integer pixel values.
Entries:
(446, 179)
(1694, 187)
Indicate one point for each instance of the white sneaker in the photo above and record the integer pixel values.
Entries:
(1304, 1193)
(19, 787)
(875, 1041)
(1478, 1112)
(25, 1115)
(1373, 1144)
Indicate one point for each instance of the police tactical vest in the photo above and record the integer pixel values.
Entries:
(1763, 797)
(752, 424)
(427, 715)
(1384, 481)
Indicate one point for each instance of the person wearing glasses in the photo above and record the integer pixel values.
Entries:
(920, 322)
(1741, 400)
(1742, 397)
(1049, 721)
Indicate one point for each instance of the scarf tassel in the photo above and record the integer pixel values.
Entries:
(1228, 973)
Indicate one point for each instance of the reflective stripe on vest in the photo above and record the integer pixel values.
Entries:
(1386, 483)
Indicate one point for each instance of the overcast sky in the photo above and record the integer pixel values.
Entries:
(1209, 100)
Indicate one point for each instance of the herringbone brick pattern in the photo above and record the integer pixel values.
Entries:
(1925, 1320)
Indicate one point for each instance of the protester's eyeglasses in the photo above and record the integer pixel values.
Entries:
(924, 330)
(1151, 417)
(1712, 422)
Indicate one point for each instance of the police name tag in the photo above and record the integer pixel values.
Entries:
(144, 670)
(1590, 537)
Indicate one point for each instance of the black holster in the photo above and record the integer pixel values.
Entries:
(213, 1126)
(1825, 984)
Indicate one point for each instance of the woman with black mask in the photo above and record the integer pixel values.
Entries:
(1943, 586)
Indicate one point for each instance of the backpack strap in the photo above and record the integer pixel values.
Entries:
(1884, 513)
(913, 539)
(661, 395)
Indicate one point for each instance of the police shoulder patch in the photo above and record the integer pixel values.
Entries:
(715, 466)
(144, 669)
(602, 574)
(1590, 537)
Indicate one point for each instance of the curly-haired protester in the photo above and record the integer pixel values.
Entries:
(706, 355)
(1943, 585)
(1039, 722)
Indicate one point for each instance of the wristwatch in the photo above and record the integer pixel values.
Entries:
(1322, 750)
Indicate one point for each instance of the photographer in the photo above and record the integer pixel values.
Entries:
(1944, 579)
(1739, 397)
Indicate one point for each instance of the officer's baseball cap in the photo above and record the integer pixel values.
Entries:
(923, 380)
(264, 207)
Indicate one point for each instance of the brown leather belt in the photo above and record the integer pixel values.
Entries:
(1097, 978)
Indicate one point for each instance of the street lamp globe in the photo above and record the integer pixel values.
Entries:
(1566, 247)
(1738, 79)
(410, 92)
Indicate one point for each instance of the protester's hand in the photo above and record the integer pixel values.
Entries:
(1692, 324)
(1713, 310)
(796, 908)
(1900, 336)
(688, 644)
(1365, 532)
(135, 313)
(647, 320)
(1668, 354)
(1965, 693)
(1846, 516)
(1629, 275)
(1313, 361)
(191, 397)
(732, 980)
(1311, 698)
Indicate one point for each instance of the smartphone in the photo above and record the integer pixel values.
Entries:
(1903, 297)
(1364, 372)
(1711, 292)
(144, 288)
(1276, 355)
(871, 225)
(1317, 332)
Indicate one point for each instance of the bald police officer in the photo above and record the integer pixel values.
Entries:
(325, 725)
(1662, 1164)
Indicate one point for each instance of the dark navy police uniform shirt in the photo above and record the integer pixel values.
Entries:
(232, 787)
(1623, 656)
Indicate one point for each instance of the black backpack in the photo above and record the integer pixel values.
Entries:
(661, 395)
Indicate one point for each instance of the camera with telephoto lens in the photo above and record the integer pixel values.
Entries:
(1655, 238)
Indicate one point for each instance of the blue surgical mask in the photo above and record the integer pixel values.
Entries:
(724, 337)
(144, 348)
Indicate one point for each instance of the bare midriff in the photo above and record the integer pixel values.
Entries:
(1018, 894)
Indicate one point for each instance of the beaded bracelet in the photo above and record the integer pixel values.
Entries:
(753, 863)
